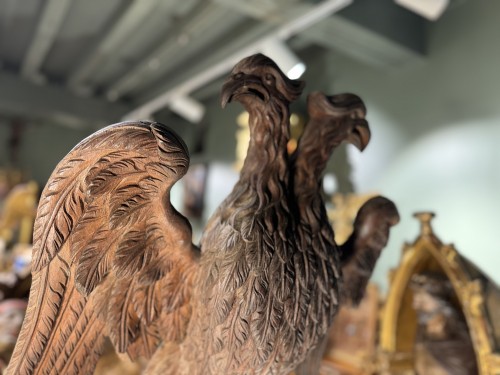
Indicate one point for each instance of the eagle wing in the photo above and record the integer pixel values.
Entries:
(111, 256)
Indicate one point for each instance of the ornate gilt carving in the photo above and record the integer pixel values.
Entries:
(494, 364)
(396, 336)
(19, 213)
(112, 257)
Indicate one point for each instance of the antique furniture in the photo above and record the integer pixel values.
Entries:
(11, 317)
(9, 177)
(352, 341)
(18, 213)
(112, 257)
(473, 296)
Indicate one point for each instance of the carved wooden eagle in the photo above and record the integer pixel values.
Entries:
(112, 257)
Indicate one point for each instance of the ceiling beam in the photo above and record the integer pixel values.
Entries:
(360, 43)
(221, 61)
(51, 20)
(24, 99)
(392, 39)
(205, 24)
(136, 13)
(271, 11)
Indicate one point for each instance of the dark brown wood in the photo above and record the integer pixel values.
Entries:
(443, 345)
(333, 120)
(112, 258)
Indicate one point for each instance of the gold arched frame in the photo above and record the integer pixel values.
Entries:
(428, 252)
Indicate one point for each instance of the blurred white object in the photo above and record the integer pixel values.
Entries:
(8, 278)
(21, 264)
(185, 106)
(286, 59)
(430, 9)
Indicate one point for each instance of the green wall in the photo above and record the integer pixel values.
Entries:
(53, 144)
(436, 128)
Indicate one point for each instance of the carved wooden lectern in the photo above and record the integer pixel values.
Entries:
(113, 258)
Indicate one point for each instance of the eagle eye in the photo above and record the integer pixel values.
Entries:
(269, 78)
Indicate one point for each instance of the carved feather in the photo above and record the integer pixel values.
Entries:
(64, 201)
(122, 318)
(97, 234)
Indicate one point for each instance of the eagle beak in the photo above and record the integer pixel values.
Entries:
(360, 134)
(226, 93)
(239, 85)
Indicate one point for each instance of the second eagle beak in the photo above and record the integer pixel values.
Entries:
(359, 132)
